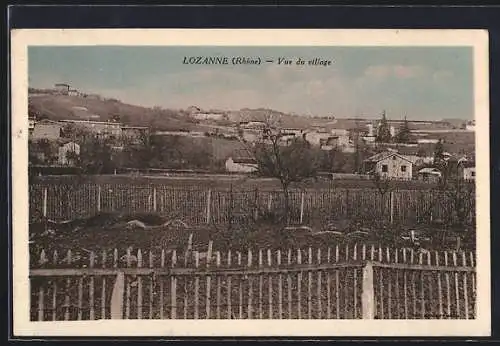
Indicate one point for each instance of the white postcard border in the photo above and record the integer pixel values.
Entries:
(22, 38)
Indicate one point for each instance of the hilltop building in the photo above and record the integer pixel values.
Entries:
(62, 88)
(73, 92)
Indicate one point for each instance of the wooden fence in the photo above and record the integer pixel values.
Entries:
(334, 283)
(200, 206)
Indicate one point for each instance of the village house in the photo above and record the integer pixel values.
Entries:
(390, 165)
(193, 110)
(241, 162)
(209, 116)
(101, 128)
(429, 174)
(468, 171)
(470, 125)
(134, 132)
(64, 157)
(47, 129)
(251, 136)
(241, 165)
(316, 137)
(253, 125)
(31, 125)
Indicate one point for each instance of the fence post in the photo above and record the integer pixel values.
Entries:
(256, 206)
(392, 205)
(269, 201)
(45, 193)
(117, 297)
(99, 198)
(302, 207)
(368, 293)
(209, 194)
(154, 199)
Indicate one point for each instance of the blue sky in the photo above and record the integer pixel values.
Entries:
(419, 82)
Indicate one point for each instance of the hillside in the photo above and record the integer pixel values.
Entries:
(59, 107)
(94, 107)
(260, 114)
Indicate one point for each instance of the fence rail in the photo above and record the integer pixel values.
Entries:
(201, 206)
(288, 284)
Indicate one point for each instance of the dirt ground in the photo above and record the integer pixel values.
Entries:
(152, 232)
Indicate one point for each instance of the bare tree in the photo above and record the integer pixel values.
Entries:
(290, 160)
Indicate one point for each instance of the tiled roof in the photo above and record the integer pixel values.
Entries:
(244, 160)
(429, 170)
(381, 156)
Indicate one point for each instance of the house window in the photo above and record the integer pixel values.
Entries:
(403, 168)
(384, 168)
(473, 174)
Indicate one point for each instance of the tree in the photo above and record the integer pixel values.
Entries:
(115, 117)
(47, 149)
(96, 155)
(290, 163)
(421, 152)
(384, 132)
(404, 133)
(32, 110)
(439, 153)
(75, 132)
(73, 158)
(456, 197)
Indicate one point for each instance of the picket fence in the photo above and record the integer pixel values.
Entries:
(201, 206)
(355, 282)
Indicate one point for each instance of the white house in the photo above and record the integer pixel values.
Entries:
(469, 171)
(390, 165)
(251, 136)
(31, 125)
(427, 141)
(208, 116)
(241, 165)
(316, 137)
(470, 125)
(64, 149)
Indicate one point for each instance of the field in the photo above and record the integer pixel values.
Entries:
(196, 251)
(240, 182)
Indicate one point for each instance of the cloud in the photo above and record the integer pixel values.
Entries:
(442, 76)
(411, 71)
(377, 71)
(397, 71)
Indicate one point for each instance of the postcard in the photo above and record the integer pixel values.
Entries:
(261, 182)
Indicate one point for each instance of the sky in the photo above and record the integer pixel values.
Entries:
(427, 83)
